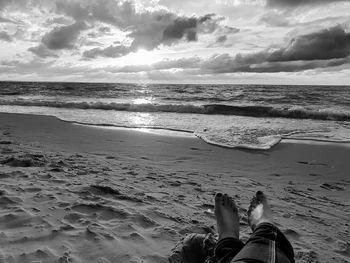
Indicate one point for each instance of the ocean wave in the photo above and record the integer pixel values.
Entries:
(223, 131)
(264, 142)
(10, 93)
(212, 109)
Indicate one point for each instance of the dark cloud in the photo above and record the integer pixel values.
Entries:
(326, 48)
(326, 44)
(156, 29)
(63, 37)
(225, 63)
(221, 39)
(107, 11)
(296, 66)
(111, 51)
(323, 49)
(181, 27)
(4, 36)
(294, 3)
(168, 29)
(146, 29)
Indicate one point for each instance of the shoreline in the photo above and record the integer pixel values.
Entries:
(70, 189)
(187, 133)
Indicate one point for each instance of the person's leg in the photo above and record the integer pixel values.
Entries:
(194, 248)
(227, 219)
(267, 244)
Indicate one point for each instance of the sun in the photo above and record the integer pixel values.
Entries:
(141, 57)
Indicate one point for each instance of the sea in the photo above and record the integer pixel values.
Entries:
(236, 116)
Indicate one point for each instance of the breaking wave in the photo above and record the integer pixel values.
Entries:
(212, 109)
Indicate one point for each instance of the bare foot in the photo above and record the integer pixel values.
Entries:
(227, 218)
(259, 210)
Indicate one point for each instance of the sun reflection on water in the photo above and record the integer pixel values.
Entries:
(141, 119)
(142, 101)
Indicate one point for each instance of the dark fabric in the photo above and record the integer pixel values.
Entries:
(194, 248)
(227, 248)
(267, 244)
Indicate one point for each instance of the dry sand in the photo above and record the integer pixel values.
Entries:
(72, 193)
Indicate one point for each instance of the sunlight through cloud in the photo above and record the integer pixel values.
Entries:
(141, 57)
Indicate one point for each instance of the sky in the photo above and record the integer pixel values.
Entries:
(176, 41)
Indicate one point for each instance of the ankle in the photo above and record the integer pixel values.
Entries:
(264, 221)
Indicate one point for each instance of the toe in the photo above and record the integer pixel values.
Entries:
(218, 197)
(253, 204)
(229, 201)
(225, 200)
(260, 197)
(233, 204)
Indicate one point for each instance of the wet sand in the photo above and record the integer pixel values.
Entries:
(73, 193)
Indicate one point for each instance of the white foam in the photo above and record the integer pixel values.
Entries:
(221, 130)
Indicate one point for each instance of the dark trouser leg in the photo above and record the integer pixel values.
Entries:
(267, 244)
(227, 248)
(194, 248)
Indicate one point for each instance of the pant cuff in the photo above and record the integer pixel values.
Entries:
(227, 248)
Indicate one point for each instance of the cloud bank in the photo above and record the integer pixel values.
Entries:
(146, 29)
(63, 37)
(326, 48)
(75, 37)
(293, 3)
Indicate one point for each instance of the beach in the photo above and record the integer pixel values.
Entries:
(134, 131)
(75, 193)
